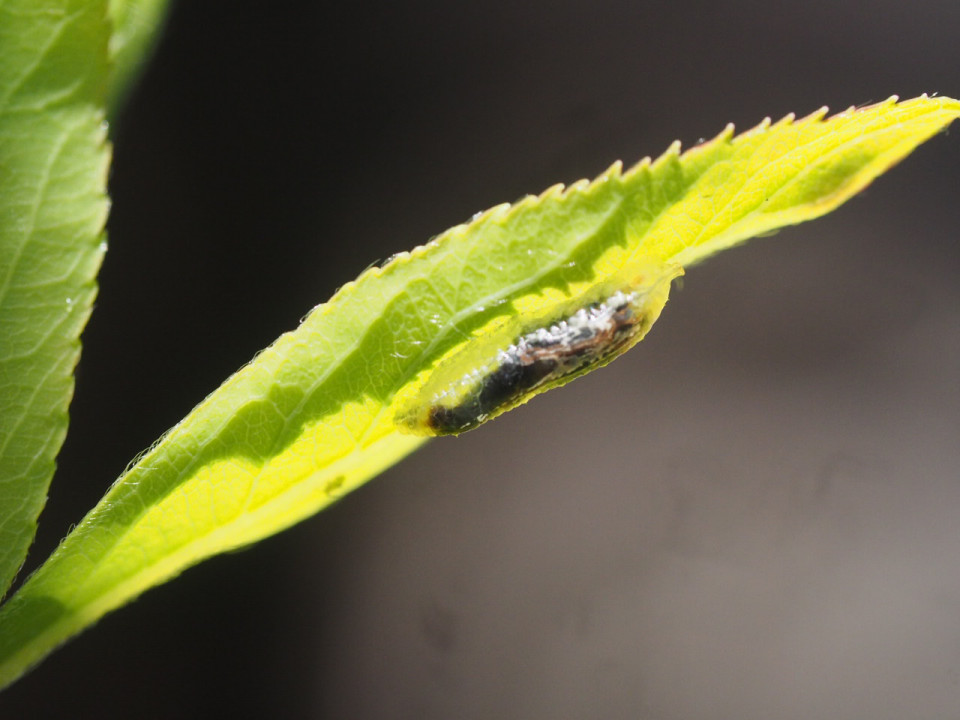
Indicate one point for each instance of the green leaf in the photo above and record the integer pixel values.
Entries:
(53, 162)
(325, 407)
(136, 27)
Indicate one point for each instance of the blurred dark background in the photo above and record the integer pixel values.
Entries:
(753, 515)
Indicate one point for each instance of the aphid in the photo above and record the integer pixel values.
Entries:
(467, 390)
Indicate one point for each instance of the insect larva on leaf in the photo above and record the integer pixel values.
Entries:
(531, 354)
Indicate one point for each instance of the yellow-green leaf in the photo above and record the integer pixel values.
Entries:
(320, 411)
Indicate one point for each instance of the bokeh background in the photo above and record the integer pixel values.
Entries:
(753, 515)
